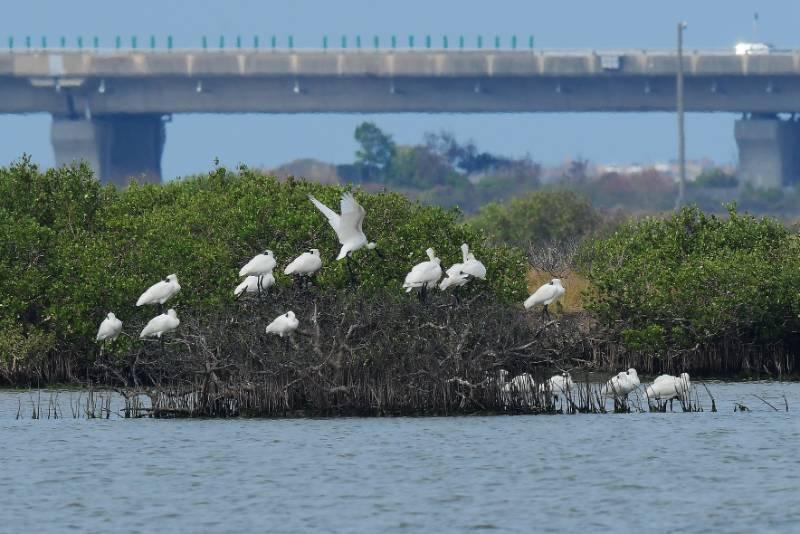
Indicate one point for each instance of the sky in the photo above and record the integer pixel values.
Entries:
(194, 141)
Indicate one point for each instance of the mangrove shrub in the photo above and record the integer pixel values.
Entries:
(72, 250)
(693, 280)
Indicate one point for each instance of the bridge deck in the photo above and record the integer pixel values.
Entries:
(73, 83)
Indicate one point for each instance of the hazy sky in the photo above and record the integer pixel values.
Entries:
(193, 141)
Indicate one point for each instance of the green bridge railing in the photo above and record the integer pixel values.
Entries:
(167, 43)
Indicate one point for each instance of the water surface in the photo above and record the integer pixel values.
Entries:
(667, 472)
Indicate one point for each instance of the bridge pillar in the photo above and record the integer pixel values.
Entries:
(117, 147)
(769, 151)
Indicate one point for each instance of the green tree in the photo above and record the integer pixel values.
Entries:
(541, 216)
(377, 148)
(695, 279)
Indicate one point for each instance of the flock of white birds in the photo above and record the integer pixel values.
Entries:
(618, 387)
(348, 225)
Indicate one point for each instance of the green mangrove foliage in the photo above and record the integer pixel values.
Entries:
(539, 217)
(71, 250)
(694, 280)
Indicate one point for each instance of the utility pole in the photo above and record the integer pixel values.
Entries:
(755, 27)
(679, 108)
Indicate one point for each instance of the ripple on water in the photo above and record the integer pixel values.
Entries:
(697, 472)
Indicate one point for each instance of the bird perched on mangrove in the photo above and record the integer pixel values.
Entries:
(306, 264)
(110, 328)
(160, 292)
(424, 275)
(255, 284)
(668, 387)
(621, 384)
(283, 325)
(161, 324)
(546, 294)
(460, 273)
(348, 227)
(261, 264)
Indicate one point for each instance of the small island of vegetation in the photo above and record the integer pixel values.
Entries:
(712, 295)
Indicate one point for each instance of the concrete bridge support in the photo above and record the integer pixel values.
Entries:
(117, 147)
(769, 151)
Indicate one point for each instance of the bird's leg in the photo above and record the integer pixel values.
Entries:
(163, 350)
(161, 307)
(351, 278)
(545, 312)
(455, 294)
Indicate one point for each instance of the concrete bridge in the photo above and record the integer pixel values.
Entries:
(109, 107)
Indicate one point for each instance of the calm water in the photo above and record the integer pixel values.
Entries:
(673, 472)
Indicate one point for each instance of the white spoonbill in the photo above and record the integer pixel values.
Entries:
(306, 264)
(623, 383)
(559, 385)
(523, 387)
(160, 292)
(424, 274)
(460, 273)
(283, 325)
(668, 387)
(110, 328)
(261, 264)
(348, 225)
(546, 294)
(472, 266)
(255, 284)
(161, 324)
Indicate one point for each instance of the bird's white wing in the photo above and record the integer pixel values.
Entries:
(154, 293)
(277, 324)
(247, 267)
(292, 267)
(474, 268)
(250, 285)
(351, 219)
(107, 329)
(546, 292)
(154, 325)
(455, 270)
(332, 216)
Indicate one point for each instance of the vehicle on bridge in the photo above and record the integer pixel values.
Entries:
(751, 49)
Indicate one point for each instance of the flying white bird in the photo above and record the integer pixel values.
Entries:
(161, 324)
(668, 387)
(260, 264)
(623, 383)
(110, 328)
(348, 225)
(255, 284)
(546, 294)
(160, 292)
(283, 325)
(306, 264)
(424, 274)
(460, 273)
